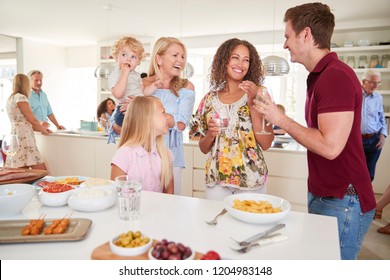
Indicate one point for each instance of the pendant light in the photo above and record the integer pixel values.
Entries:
(104, 70)
(275, 65)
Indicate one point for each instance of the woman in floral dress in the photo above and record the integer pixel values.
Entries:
(235, 160)
(22, 122)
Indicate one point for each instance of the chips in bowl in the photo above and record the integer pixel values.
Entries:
(257, 208)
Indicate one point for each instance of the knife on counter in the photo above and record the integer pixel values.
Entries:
(261, 235)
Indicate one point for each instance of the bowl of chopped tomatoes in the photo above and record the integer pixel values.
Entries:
(55, 194)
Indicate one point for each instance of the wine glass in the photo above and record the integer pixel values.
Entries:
(259, 96)
(222, 117)
(10, 145)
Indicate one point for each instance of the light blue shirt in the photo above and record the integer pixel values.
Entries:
(181, 109)
(373, 118)
(40, 105)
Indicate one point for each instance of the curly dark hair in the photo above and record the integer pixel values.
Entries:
(222, 57)
(102, 107)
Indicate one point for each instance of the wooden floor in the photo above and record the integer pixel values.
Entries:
(376, 246)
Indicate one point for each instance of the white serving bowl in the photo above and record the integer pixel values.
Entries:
(54, 199)
(363, 42)
(99, 184)
(91, 199)
(129, 252)
(150, 256)
(14, 197)
(257, 218)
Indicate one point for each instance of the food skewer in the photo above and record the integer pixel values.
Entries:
(35, 227)
(58, 226)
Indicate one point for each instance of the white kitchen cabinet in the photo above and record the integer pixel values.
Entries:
(382, 174)
(287, 178)
(72, 155)
(287, 173)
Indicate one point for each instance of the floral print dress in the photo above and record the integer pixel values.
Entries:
(236, 159)
(28, 153)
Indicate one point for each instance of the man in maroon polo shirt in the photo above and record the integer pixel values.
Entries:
(339, 184)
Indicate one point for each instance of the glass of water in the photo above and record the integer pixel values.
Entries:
(129, 196)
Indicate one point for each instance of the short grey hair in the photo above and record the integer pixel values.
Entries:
(369, 73)
(33, 72)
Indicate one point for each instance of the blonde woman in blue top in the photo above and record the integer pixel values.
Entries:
(168, 60)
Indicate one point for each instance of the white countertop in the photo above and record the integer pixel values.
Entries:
(181, 219)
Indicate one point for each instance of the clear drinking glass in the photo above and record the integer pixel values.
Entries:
(363, 63)
(374, 61)
(351, 61)
(10, 145)
(222, 117)
(129, 196)
(262, 92)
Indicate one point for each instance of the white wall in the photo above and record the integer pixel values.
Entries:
(68, 78)
(81, 57)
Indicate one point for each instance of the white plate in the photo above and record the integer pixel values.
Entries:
(257, 218)
(91, 200)
(52, 179)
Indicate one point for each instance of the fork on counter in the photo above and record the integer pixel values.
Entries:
(271, 239)
(214, 222)
(244, 250)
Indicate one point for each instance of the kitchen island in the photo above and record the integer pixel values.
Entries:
(181, 219)
(88, 154)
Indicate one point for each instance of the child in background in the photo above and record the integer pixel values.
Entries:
(142, 151)
(124, 81)
(104, 112)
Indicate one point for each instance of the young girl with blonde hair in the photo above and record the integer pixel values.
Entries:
(142, 152)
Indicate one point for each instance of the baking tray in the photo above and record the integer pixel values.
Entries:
(11, 231)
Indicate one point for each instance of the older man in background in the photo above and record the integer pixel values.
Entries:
(39, 102)
(374, 128)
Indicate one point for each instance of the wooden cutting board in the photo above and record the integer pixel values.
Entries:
(103, 252)
(31, 176)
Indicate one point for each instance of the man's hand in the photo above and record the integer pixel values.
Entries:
(381, 142)
(45, 124)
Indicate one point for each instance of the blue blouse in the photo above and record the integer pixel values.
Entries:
(180, 107)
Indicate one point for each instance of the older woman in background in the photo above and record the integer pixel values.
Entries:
(23, 122)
